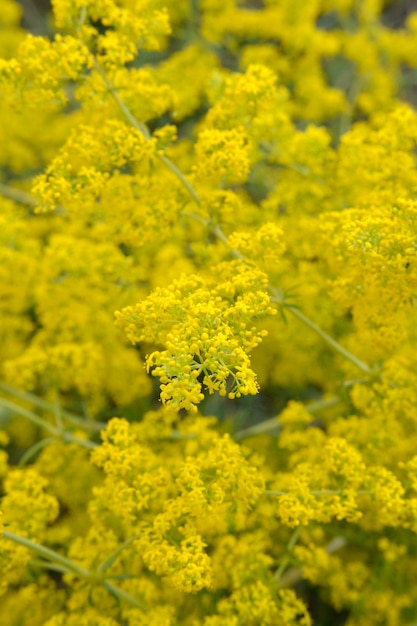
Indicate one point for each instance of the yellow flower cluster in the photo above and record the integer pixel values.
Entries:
(256, 605)
(163, 508)
(265, 247)
(26, 510)
(222, 154)
(84, 164)
(197, 167)
(36, 76)
(207, 331)
(125, 27)
(61, 350)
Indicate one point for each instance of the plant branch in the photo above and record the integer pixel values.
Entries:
(293, 540)
(17, 195)
(24, 198)
(174, 169)
(272, 425)
(49, 554)
(35, 419)
(294, 575)
(33, 450)
(67, 566)
(143, 129)
(328, 339)
(42, 404)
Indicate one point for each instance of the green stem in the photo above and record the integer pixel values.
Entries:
(188, 186)
(195, 216)
(294, 575)
(82, 18)
(85, 443)
(290, 547)
(272, 425)
(105, 565)
(42, 404)
(143, 129)
(49, 554)
(67, 566)
(217, 231)
(35, 419)
(123, 595)
(328, 339)
(24, 198)
(57, 412)
(33, 450)
(17, 195)
(353, 383)
(54, 567)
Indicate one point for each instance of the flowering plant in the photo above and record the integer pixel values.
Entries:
(208, 272)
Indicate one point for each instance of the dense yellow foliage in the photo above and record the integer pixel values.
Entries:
(202, 201)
